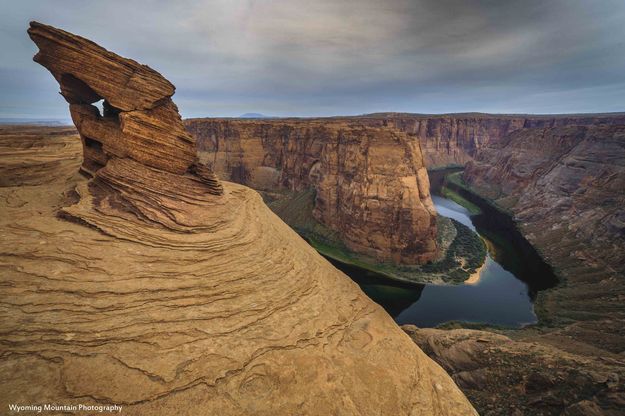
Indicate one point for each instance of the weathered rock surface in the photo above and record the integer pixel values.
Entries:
(371, 183)
(525, 376)
(18, 146)
(182, 296)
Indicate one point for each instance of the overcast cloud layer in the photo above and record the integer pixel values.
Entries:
(330, 57)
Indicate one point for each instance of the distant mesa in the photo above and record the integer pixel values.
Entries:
(36, 121)
(254, 115)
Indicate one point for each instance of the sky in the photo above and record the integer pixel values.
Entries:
(338, 57)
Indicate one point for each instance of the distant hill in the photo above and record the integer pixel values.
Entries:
(254, 115)
(37, 121)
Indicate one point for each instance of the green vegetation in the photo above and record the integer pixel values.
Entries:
(454, 196)
(446, 167)
(454, 183)
(456, 178)
(449, 193)
(463, 250)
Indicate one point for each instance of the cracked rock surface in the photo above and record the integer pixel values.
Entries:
(524, 374)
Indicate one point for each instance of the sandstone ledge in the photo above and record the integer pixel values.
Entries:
(519, 373)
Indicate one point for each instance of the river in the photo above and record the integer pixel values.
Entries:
(501, 293)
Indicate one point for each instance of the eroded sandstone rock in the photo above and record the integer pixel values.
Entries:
(139, 121)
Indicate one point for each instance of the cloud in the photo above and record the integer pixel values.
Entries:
(326, 57)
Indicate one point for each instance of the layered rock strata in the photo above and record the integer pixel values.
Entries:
(371, 183)
(286, 154)
(455, 139)
(183, 295)
(560, 177)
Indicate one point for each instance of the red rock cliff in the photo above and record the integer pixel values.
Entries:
(287, 153)
(371, 183)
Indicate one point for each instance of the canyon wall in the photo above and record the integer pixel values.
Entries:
(295, 154)
(565, 186)
(371, 183)
(153, 286)
(455, 139)
(368, 171)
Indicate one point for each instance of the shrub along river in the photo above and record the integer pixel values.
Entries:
(501, 293)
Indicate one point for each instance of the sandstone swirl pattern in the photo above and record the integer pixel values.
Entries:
(170, 293)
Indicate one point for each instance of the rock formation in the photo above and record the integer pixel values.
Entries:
(562, 178)
(182, 295)
(565, 187)
(371, 184)
(139, 128)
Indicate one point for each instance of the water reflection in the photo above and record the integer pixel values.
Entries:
(394, 296)
(501, 295)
